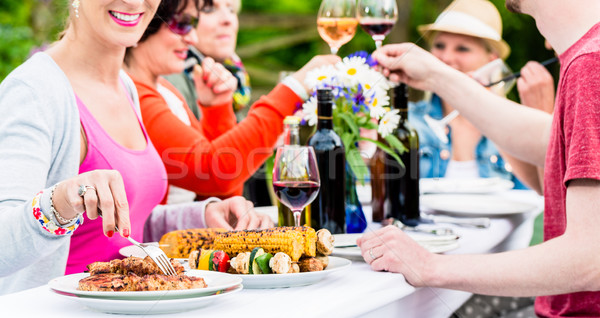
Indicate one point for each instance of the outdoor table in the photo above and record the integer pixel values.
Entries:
(357, 291)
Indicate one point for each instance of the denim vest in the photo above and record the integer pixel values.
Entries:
(435, 155)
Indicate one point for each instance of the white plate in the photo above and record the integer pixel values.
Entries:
(296, 279)
(476, 204)
(216, 282)
(345, 244)
(135, 251)
(151, 307)
(355, 253)
(271, 211)
(477, 185)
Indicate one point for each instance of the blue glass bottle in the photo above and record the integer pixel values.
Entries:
(355, 218)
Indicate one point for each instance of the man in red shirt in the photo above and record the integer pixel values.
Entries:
(567, 265)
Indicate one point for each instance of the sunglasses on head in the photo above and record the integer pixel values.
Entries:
(182, 24)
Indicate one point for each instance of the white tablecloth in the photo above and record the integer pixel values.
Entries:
(358, 291)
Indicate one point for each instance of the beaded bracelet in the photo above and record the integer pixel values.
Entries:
(57, 215)
(48, 224)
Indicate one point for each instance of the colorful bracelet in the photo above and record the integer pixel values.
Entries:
(48, 224)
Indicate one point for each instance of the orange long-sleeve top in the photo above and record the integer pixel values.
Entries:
(214, 156)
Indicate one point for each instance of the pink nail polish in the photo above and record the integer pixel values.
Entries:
(110, 233)
(126, 232)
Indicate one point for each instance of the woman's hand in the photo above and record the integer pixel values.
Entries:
(214, 83)
(315, 62)
(390, 249)
(235, 213)
(536, 87)
(108, 198)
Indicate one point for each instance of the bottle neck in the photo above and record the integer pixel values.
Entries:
(325, 123)
(325, 114)
(403, 114)
(291, 135)
(400, 101)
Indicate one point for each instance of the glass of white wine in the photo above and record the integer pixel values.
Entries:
(337, 22)
(377, 17)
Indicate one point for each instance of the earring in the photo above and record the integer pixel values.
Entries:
(75, 5)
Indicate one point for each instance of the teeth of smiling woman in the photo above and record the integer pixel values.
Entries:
(125, 17)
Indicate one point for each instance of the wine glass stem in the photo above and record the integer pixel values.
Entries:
(378, 44)
(334, 50)
(297, 215)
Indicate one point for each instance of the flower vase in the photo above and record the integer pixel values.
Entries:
(355, 218)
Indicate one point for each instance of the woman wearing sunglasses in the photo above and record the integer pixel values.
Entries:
(46, 145)
(213, 156)
(73, 144)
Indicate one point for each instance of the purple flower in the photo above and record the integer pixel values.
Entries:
(368, 58)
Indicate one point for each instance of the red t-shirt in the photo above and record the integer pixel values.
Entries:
(573, 153)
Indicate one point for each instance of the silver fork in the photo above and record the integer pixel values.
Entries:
(156, 254)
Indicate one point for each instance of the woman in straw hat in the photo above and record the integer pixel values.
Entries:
(467, 35)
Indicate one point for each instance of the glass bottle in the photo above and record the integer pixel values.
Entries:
(355, 217)
(291, 136)
(402, 183)
(377, 168)
(328, 209)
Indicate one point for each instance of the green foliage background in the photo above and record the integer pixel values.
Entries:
(275, 35)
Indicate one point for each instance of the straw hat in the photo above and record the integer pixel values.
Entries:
(477, 18)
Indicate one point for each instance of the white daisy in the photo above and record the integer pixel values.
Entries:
(352, 69)
(372, 79)
(380, 98)
(376, 111)
(309, 111)
(389, 122)
(320, 76)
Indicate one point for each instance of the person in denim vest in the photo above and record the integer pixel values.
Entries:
(466, 36)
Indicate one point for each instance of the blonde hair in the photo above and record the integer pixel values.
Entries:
(237, 4)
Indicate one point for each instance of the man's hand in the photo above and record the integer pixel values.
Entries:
(410, 64)
(391, 250)
(235, 213)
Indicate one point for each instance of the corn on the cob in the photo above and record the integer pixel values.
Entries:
(310, 239)
(272, 240)
(179, 244)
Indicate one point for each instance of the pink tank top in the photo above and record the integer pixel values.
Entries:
(145, 181)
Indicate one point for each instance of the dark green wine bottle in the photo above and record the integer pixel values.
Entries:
(328, 209)
(402, 183)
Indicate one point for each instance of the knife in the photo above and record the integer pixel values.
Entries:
(480, 223)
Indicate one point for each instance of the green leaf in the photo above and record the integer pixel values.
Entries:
(386, 149)
(370, 125)
(348, 139)
(362, 121)
(350, 122)
(395, 143)
(357, 164)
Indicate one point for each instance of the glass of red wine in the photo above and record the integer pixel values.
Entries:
(296, 178)
(377, 17)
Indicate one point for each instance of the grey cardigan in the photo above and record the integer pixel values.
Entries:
(40, 146)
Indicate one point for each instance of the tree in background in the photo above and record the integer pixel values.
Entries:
(275, 35)
(26, 25)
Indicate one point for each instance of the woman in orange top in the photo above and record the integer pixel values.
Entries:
(215, 156)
